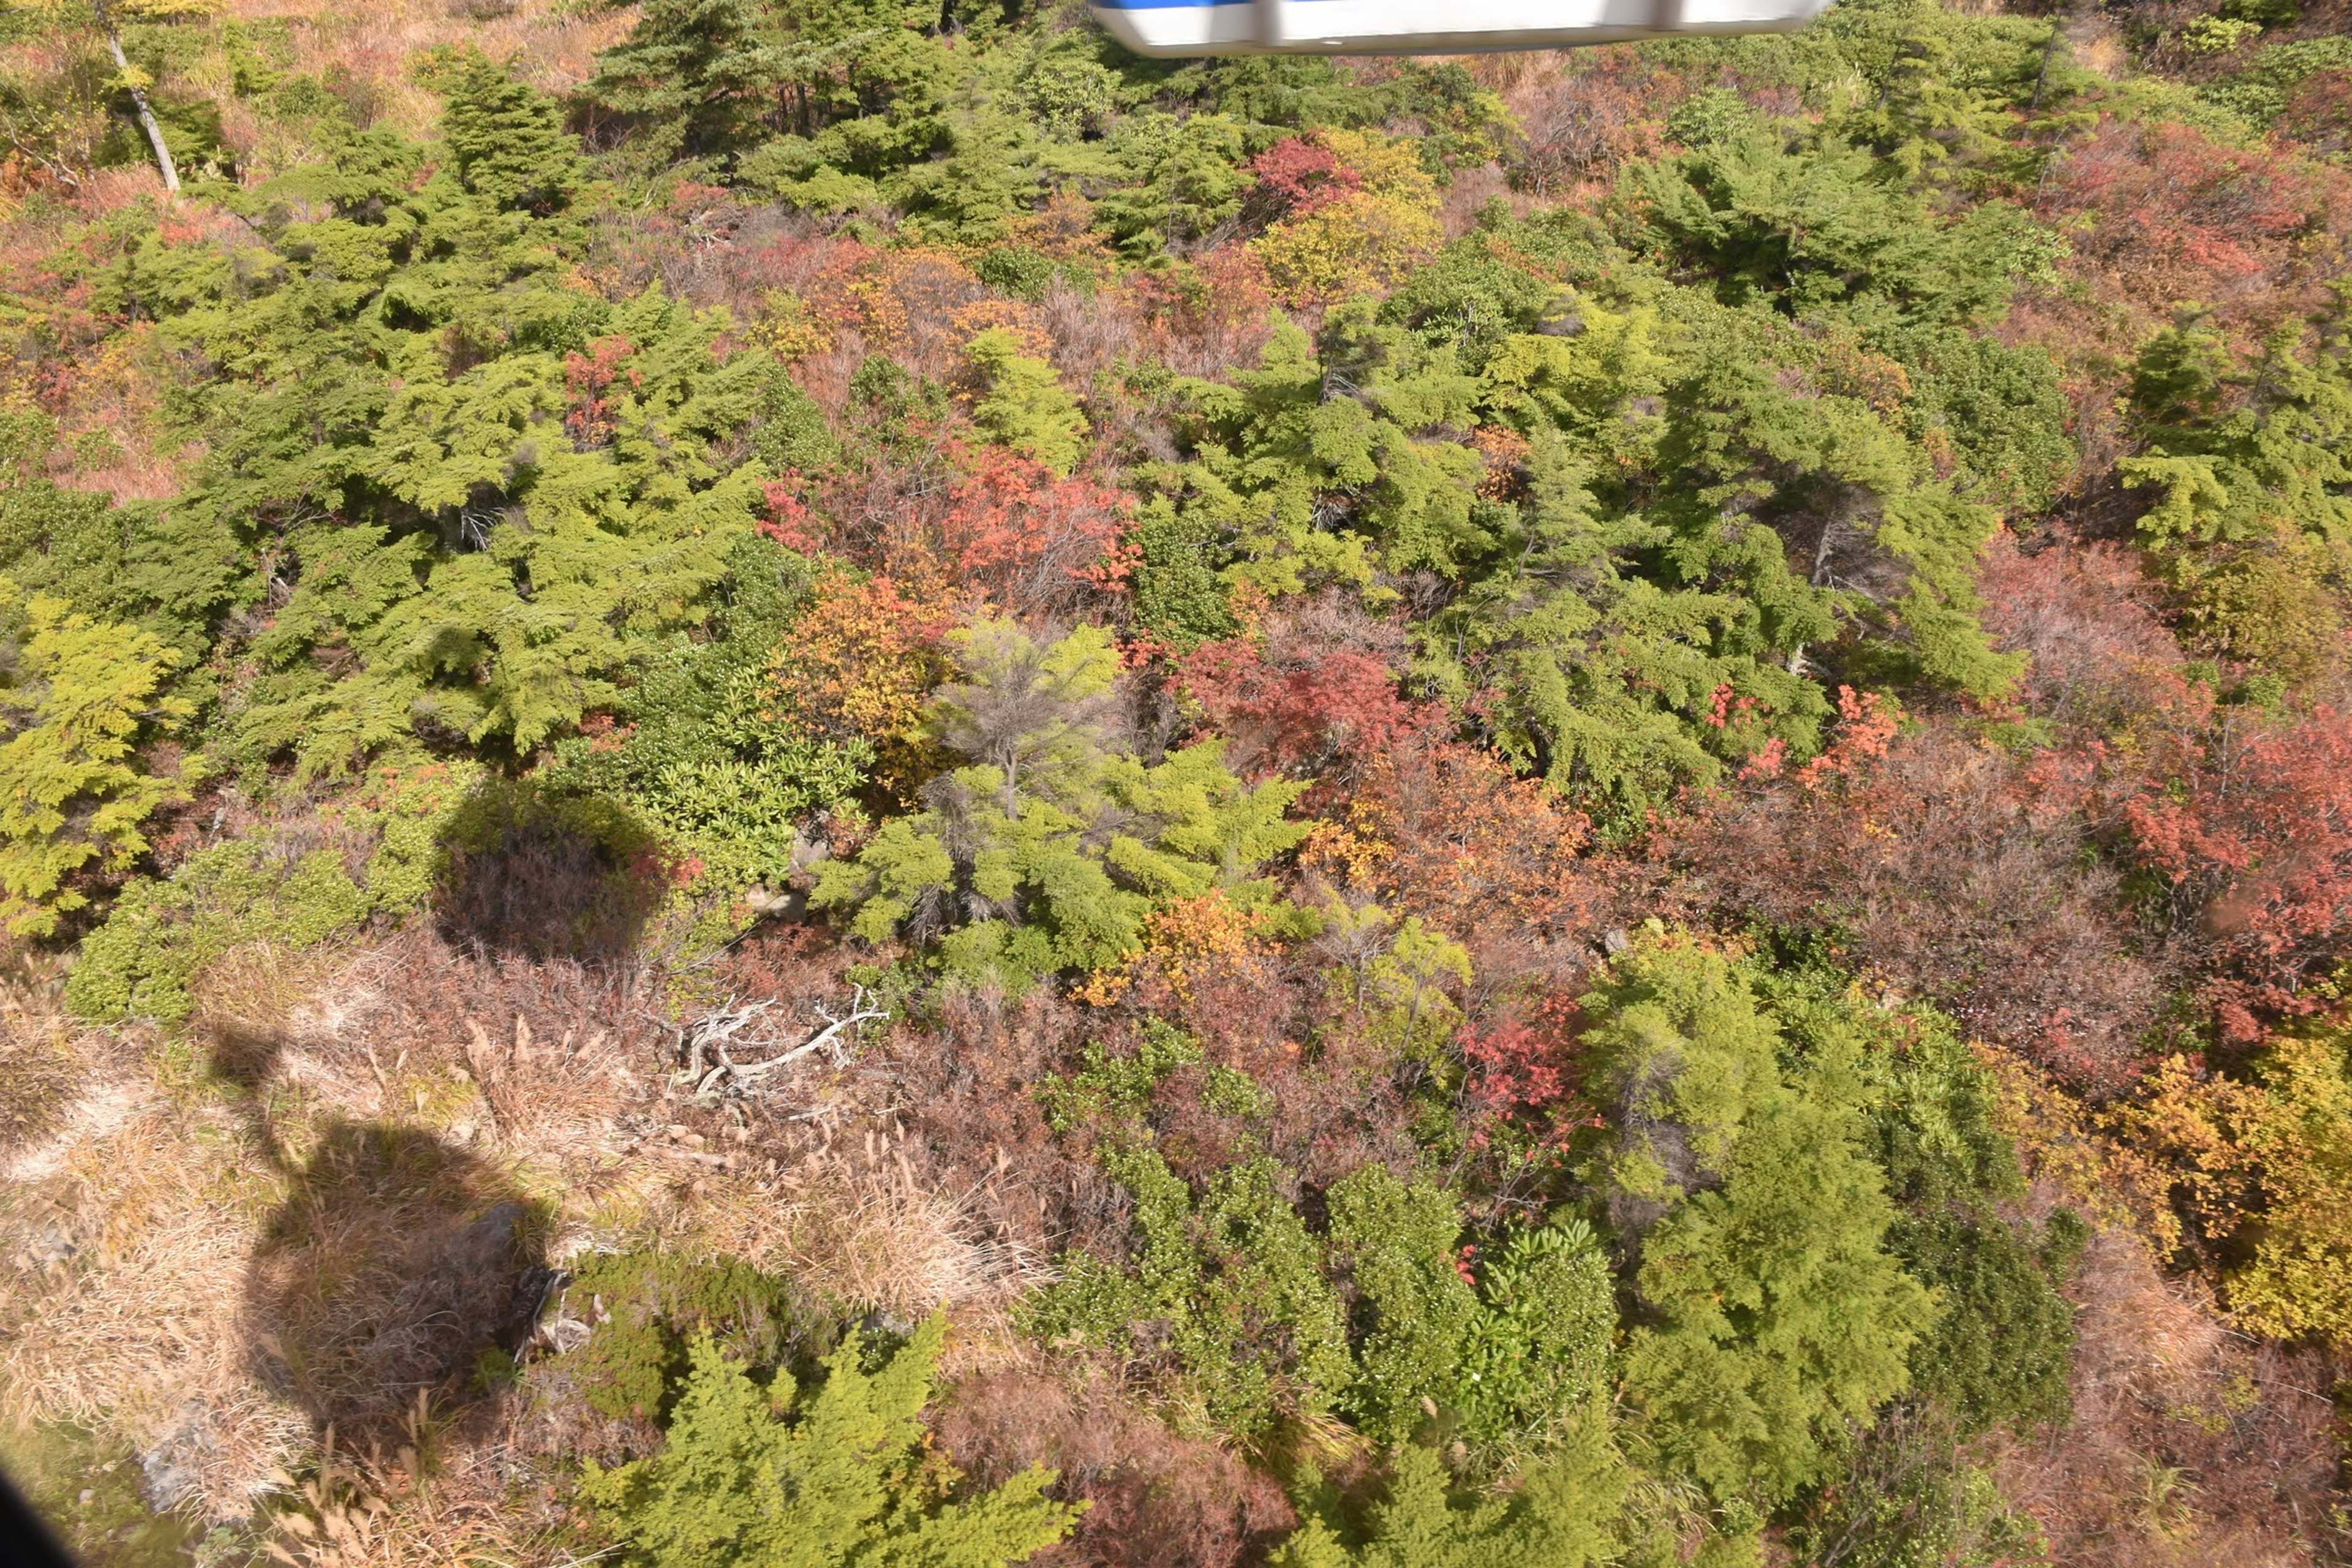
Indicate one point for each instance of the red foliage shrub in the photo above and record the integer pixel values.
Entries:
(2164, 214)
(1298, 175)
(1522, 1071)
(788, 519)
(588, 415)
(1033, 543)
(2083, 613)
(1310, 688)
(1297, 716)
(2247, 820)
(954, 521)
(1865, 727)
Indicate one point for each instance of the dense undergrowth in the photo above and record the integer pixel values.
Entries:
(831, 782)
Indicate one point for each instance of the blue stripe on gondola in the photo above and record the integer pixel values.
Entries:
(1163, 4)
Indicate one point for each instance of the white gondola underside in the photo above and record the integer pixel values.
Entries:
(1408, 27)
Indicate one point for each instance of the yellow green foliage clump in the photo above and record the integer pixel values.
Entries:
(73, 790)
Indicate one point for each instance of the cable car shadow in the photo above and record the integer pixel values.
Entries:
(395, 1263)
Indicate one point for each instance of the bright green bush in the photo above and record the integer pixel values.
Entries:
(1562, 1512)
(836, 1475)
(1770, 1313)
(2001, 1349)
(705, 756)
(492, 493)
(1024, 406)
(74, 700)
(1509, 1361)
(271, 889)
(1225, 1291)
(655, 1308)
(1047, 852)
(1233, 1304)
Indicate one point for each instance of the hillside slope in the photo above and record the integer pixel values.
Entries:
(840, 782)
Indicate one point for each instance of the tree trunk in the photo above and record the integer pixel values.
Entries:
(138, 100)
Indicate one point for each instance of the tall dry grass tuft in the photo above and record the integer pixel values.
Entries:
(856, 1226)
(131, 1229)
(328, 1198)
(545, 1070)
(411, 1505)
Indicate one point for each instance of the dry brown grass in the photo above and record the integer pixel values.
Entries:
(324, 1203)
(311, 1209)
(553, 46)
(856, 1226)
(138, 1216)
(412, 1505)
(2190, 1445)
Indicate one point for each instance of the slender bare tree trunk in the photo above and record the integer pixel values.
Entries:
(138, 100)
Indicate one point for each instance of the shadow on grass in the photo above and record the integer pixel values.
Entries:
(535, 874)
(395, 1265)
(397, 1261)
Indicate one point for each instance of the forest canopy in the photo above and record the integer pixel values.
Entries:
(820, 782)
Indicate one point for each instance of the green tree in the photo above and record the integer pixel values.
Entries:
(1024, 405)
(754, 1475)
(72, 795)
(1047, 852)
(694, 78)
(2250, 468)
(1185, 179)
(1770, 1312)
(484, 495)
(508, 139)
(1511, 1362)
(1562, 1513)
(1225, 1294)
(1808, 226)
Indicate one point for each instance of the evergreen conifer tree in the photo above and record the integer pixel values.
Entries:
(71, 793)
(834, 1478)
(1048, 850)
(508, 139)
(1771, 1313)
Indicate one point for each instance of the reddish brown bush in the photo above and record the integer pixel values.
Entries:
(1950, 868)
(1584, 113)
(2319, 111)
(1159, 1500)
(965, 1090)
(951, 520)
(1210, 316)
(1443, 831)
(2083, 613)
(2160, 213)
(2189, 1446)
